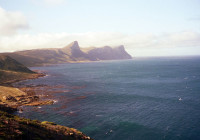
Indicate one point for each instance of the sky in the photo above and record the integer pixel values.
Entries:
(144, 27)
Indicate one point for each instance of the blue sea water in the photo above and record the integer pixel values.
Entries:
(139, 99)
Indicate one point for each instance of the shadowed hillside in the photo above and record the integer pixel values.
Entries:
(7, 63)
(12, 71)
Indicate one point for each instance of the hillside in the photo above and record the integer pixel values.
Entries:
(8, 63)
(12, 71)
(14, 127)
(69, 54)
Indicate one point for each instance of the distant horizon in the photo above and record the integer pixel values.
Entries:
(145, 28)
(146, 56)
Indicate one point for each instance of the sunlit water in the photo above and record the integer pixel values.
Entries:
(140, 99)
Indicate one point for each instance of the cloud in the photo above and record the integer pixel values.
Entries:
(137, 42)
(11, 22)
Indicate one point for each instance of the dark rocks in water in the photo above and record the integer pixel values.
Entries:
(27, 99)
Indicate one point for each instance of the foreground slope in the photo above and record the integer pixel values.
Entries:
(14, 127)
(69, 54)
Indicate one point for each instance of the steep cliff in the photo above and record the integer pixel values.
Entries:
(108, 53)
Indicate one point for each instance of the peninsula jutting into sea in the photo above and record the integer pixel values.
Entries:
(71, 53)
(13, 69)
(99, 70)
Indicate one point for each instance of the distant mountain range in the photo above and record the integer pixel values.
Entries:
(70, 53)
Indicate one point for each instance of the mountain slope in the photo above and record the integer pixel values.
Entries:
(7, 63)
(12, 71)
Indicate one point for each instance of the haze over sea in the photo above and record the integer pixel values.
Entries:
(140, 99)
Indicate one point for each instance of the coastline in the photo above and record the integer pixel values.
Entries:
(15, 127)
(13, 97)
(9, 82)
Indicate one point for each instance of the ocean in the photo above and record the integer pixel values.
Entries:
(141, 99)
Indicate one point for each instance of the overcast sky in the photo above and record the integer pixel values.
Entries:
(144, 27)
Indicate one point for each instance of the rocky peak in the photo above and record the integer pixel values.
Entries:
(73, 50)
(74, 45)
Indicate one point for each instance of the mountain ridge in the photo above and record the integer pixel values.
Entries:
(71, 53)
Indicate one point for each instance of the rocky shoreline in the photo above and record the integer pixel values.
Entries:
(15, 127)
(12, 98)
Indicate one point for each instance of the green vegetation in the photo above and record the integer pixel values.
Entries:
(46, 122)
(14, 127)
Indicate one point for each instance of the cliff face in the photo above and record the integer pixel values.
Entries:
(108, 53)
(68, 54)
(73, 50)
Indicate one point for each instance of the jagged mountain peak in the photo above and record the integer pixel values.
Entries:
(73, 50)
(73, 45)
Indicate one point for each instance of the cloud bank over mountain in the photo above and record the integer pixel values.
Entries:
(99, 39)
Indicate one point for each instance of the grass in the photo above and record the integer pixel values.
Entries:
(15, 127)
